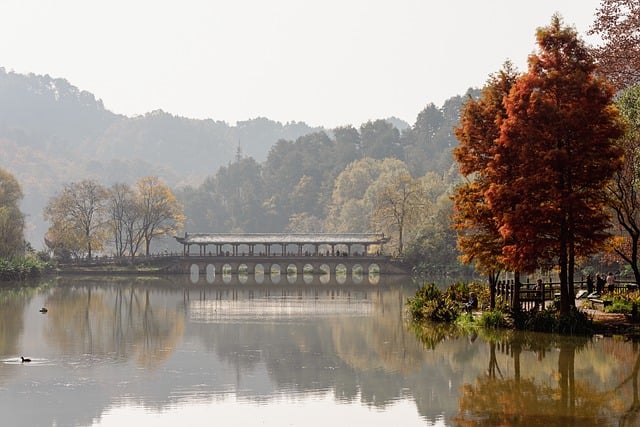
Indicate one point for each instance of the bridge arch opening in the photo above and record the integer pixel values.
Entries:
(292, 273)
(357, 273)
(210, 273)
(258, 273)
(325, 273)
(341, 273)
(275, 274)
(243, 273)
(374, 273)
(307, 273)
(194, 273)
(226, 273)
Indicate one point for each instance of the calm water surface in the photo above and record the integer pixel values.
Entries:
(167, 352)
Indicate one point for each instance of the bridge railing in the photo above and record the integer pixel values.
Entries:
(141, 259)
(530, 297)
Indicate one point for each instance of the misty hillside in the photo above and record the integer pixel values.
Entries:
(52, 133)
(53, 117)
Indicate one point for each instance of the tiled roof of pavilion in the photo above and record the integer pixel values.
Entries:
(288, 238)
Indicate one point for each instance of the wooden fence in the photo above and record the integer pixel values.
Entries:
(533, 299)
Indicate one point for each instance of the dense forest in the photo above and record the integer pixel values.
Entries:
(256, 175)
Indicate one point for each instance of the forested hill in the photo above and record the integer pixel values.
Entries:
(53, 117)
(52, 133)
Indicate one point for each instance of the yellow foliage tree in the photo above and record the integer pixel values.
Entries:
(398, 206)
(161, 212)
(78, 218)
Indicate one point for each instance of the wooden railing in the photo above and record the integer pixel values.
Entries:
(532, 298)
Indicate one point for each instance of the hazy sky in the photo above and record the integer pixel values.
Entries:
(327, 63)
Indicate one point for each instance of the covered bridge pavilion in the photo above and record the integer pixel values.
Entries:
(281, 244)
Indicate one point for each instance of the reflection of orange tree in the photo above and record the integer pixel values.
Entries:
(510, 401)
(494, 400)
(110, 321)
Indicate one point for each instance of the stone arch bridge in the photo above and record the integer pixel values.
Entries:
(283, 253)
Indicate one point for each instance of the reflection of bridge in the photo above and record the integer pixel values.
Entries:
(273, 255)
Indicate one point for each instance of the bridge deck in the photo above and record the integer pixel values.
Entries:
(274, 243)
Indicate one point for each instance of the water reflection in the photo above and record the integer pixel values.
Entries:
(156, 349)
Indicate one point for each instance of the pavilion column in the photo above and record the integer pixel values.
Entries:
(300, 249)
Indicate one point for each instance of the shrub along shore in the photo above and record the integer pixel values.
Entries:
(23, 268)
(430, 304)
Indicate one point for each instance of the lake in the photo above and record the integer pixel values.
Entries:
(118, 351)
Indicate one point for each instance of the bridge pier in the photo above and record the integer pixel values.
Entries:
(213, 266)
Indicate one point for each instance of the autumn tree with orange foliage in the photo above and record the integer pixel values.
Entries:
(552, 158)
(478, 237)
(618, 25)
(561, 125)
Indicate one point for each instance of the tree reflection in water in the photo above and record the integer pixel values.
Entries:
(171, 345)
(540, 398)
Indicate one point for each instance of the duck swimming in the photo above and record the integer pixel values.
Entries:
(24, 359)
(43, 310)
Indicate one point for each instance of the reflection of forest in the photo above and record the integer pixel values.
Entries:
(114, 321)
(260, 342)
(13, 300)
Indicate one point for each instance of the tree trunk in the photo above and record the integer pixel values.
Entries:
(516, 292)
(563, 263)
(400, 236)
(634, 258)
(493, 281)
(571, 293)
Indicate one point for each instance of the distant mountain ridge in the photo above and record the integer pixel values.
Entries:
(52, 133)
(51, 115)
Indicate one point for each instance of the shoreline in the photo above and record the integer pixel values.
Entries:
(606, 324)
